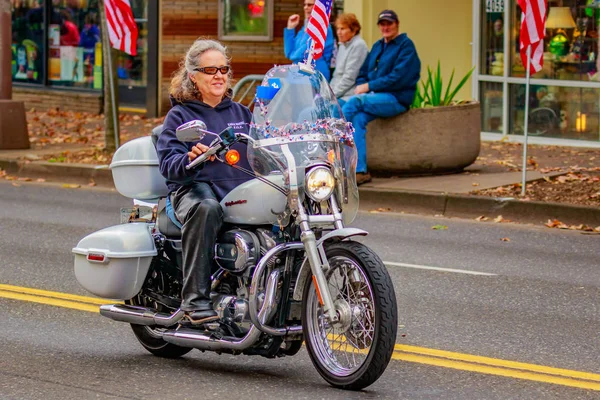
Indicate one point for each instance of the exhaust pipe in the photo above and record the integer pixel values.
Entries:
(139, 315)
(206, 341)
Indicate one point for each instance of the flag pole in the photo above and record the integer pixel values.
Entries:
(523, 185)
(112, 93)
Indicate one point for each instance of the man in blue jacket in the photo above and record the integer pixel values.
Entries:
(295, 45)
(385, 86)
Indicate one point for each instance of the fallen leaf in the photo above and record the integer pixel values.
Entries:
(505, 239)
(24, 179)
(71, 185)
(40, 180)
(439, 227)
(475, 184)
(481, 218)
(499, 218)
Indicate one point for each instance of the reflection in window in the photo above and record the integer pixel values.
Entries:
(245, 19)
(132, 70)
(571, 43)
(491, 106)
(27, 41)
(74, 44)
(568, 113)
(492, 38)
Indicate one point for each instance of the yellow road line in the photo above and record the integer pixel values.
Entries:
(49, 300)
(422, 355)
(56, 295)
(490, 370)
(498, 362)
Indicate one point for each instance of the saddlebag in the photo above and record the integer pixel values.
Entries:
(113, 262)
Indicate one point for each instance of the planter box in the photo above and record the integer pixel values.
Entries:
(425, 140)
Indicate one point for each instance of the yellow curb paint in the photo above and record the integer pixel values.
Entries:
(498, 362)
(421, 355)
(490, 370)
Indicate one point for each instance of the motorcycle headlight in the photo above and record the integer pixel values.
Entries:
(319, 183)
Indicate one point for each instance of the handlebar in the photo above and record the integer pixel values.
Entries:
(204, 156)
(226, 138)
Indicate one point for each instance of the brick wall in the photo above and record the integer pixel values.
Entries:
(183, 21)
(44, 98)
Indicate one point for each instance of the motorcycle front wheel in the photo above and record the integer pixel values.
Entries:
(353, 353)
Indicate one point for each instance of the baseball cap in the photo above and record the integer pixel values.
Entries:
(387, 15)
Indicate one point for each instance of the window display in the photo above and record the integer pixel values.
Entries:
(563, 112)
(27, 40)
(564, 99)
(246, 20)
(65, 49)
(571, 42)
(74, 42)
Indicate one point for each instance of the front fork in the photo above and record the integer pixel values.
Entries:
(315, 253)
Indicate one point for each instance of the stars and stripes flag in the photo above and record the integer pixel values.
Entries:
(317, 26)
(122, 28)
(533, 30)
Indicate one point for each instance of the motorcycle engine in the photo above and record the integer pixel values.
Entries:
(238, 249)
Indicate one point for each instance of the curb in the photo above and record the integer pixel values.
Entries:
(417, 202)
(463, 206)
(57, 172)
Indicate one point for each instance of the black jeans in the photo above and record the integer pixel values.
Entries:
(201, 215)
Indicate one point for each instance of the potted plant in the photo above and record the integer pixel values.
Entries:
(439, 134)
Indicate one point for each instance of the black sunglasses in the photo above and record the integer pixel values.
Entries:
(213, 70)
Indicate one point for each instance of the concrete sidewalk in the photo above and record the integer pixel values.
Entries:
(446, 195)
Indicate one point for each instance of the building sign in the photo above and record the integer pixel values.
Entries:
(494, 6)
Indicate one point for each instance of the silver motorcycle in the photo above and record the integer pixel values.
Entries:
(287, 271)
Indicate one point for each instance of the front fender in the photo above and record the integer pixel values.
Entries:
(305, 272)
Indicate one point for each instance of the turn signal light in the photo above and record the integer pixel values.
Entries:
(232, 157)
(331, 156)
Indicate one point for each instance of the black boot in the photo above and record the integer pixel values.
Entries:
(201, 214)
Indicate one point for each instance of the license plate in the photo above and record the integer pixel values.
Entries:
(137, 214)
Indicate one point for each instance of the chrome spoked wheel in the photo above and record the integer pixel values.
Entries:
(353, 352)
(343, 347)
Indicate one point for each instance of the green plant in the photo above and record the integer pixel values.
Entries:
(431, 93)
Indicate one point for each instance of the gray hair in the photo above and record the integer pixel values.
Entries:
(182, 88)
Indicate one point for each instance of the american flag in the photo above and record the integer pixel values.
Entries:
(533, 30)
(122, 28)
(317, 25)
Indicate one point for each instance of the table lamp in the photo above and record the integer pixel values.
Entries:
(560, 18)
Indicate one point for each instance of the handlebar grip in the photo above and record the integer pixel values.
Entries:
(203, 157)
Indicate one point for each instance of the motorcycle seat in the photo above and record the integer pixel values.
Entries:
(166, 226)
(156, 131)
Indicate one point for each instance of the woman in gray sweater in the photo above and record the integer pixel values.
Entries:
(352, 52)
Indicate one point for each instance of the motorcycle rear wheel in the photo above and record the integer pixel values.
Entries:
(149, 338)
(353, 354)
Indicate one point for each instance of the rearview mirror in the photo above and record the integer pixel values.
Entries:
(192, 131)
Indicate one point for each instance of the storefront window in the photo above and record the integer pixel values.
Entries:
(246, 20)
(74, 44)
(491, 106)
(563, 112)
(492, 38)
(132, 70)
(571, 43)
(27, 41)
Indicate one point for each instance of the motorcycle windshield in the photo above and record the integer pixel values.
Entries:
(298, 123)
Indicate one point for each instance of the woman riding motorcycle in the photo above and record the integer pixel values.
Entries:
(200, 90)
